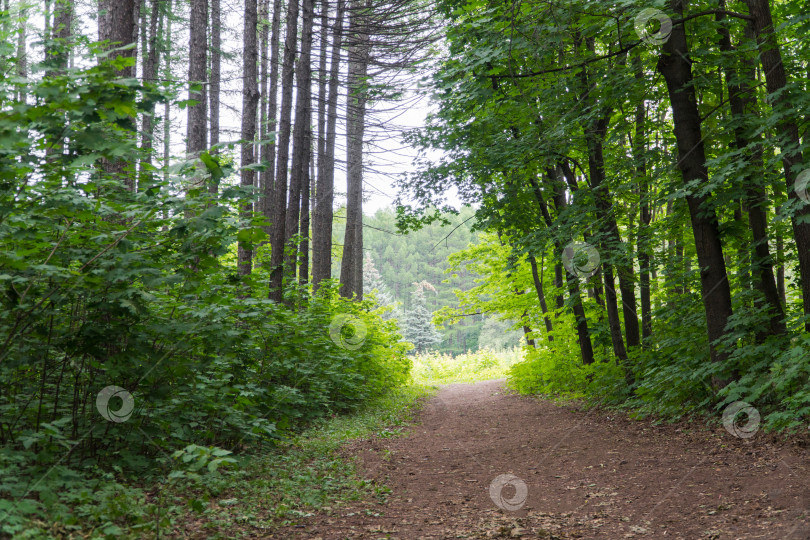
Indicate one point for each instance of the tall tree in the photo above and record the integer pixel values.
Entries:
(150, 69)
(675, 66)
(351, 270)
(118, 26)
(279, 214)
(196, 130)
(250, 103)
(324, 193)
(302, 135)
(215, 77)
(787, 120)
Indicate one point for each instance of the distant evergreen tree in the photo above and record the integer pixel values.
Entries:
(417, 325)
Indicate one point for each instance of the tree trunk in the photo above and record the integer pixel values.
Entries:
(351, 271)
(250, 102)
(196, 136)
(742, 102)
(216, 76)
(261, 152)
(299, 174)
(538, 286)
(792, 160)
(675, 66)
(324, 194)
(280, 188)
(639, 149)
(150, 67)
(269, 174)
(118, 24)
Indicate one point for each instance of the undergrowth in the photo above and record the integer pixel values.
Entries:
(211, 490)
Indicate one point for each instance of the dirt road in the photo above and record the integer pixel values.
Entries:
(482, 463)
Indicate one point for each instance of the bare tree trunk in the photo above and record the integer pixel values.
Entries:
(278, 218)
(250, 102)
(150, 67)
(303, 247)
(269, 174)
(196, 136)
(302, 134)
(676, 68)
(262, 175)
(216, 77)
(792, 160)
(323, 216)
(351, 270)
(166, 45)
(118, 24)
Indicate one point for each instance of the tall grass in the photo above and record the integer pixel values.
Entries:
(435, 368)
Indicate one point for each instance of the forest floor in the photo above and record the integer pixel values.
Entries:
(587, 474)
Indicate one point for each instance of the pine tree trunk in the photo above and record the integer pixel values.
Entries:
(351, 271)
(278, 218)
(216, 76)
(118, 24)
(269, 174)
(150, 67)
(675, 66)
(299, 173)
(324, 194)
(250, 102)
(196, 132)
(263, 175)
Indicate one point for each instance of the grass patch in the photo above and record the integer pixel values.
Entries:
(470, 367)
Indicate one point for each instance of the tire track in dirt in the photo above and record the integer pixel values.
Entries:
(587, 474)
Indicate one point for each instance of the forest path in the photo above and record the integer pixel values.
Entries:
(586, 475)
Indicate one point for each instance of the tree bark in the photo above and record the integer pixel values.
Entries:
(216, 76)
(787, 128)
(278, 219)
(196, 132)
(250, 102)
(742, 102)
(118, 25)
(150, 68)
(302, 134)
(675, 66)
(269, 174)
(351, 271)
(324, 193)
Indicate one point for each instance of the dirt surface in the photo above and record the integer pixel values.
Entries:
(587, 474)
